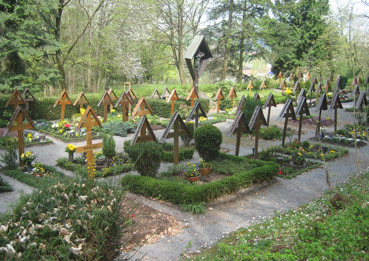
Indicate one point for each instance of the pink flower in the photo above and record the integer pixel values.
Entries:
(132, 215)
(67, 125)
(280, 172)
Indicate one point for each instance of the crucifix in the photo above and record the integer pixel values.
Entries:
(113, 97)
(269, 103)
(286, 113)
(193, 94)
(105, 101)
(322, 106)
(173, 97)
(219, 96)
(256, 121)
(89, 120)
(301, 110)
(194, 113)
(239, 126)
(15, 99)
(263, 86)
(335, 104)
(28, 97)
(81, 100)
(63, 100)
(232, 94)
(177, 123)
(125, 102)
(16, 123)
(250, 86)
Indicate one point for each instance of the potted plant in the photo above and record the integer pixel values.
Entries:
(70, 149)
(38, 170)
(28, 157)
(191, 173)
(204, 167)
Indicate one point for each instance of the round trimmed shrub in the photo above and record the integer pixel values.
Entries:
(207, 141)
(146, 157)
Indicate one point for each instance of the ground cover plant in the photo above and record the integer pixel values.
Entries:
(334, 226)
(30, 139)
(66, 219)
(4, 186)
(270, 133)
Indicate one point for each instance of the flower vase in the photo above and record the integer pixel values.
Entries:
(29, 167)
(204, 171)
(71, 156)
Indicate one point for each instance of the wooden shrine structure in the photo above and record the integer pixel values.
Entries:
(335, 104)
(270, 101)
(63, 100)
(257, 97)
(361, 101)
(125, 102)
(196, 112)
(301, 110)
(286, 113)
(172, 98)
(256, 121)
(144, 132)
(219, 96)
(105, 101)
(179, 129)
(193, 95)
(239, 125)
(297, 87)
(81, 100)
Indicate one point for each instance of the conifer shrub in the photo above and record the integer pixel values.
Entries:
(108, 149)
(208, 139)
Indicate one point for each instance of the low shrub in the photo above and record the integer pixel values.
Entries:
(4, 186)
(270, 133)
(208, 139)
(146, 157)
(119, 128)
(10, 156)
(108, 149)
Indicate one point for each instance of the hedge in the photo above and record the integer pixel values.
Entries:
(189, 193)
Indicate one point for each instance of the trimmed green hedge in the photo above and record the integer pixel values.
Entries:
(189, 193)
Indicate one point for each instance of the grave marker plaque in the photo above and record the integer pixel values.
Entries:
(180, 129)
(155, 94)
(113, 97)
(172, 98)
(89, 120)
(81, 100)
(219, 96)
(256, 121)
(141, 134)
(322, 105)
(16, 123)
(301, 110)
(193, 95)
(239, 125)
(194, 113)
(241, 104)
(287, 112)
(15, 99)
(125, 101)
(269, 103)
(63, 100)
(335, 104)
(105, 101)
(232, 94)
(250, 86)
(361, 101)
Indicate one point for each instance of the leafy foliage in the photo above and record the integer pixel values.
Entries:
(108, 149)
(208, 139)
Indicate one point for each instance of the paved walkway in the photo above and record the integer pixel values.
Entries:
(228, 213)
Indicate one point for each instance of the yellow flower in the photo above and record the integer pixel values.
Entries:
(288, 91)
(82, 111)
(194, 165)
(332, 151)
(113, 110)
(60, 131)
(322, 155)
(299, 153)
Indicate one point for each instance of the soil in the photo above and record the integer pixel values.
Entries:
(147, 225)
(157, 127)
(211, 177)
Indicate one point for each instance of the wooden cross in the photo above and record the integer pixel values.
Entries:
(307, 75)
(263, 86)
(173, 97)
(361, 101)
(335, 104)
(113, 97)
(89, 120)
(356, 92)
(256, 121)
(241, 104)
(219, 96)
(125, 101)
(155, 94)
(131, 93)
(250, 86)
(297, 87)
(326, 86)
(105, 101)
(28, 97)
(232, 94)
(338, 82)
(16, 123)
(358, 80)
(301, 110)
(194, 113)
(269, 103)
(140, 133)
(322, 106)
(239, 125)
(177, 123)
(127, 84)
(166, 93)
(81, 100)
(302, 94)
(142, 108)
(257, 97)
(286, 113)
(15, 99)
(63, 100)
(280, 75)
(312, 88)
(193, 94)
(354, 82)
(283, 85)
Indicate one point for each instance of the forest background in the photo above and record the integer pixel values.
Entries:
(92, 45)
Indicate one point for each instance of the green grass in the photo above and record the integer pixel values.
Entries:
(334, 227)
(4, 186)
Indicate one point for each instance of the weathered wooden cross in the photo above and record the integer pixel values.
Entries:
(301, 110)
(322, 106)
(194, 113)
(105, 101)
(176, 123)
(81, 100)
(286, 113)
(256, 121)
(280, 75)
(312, 88)
(142, 109)
(155, 94)
(16, 123)
(297, 87)
(63, 100)
(263, 86)
(283, 85)
(301, 94)
(241, 104)
(219, 96)
(89, 120)
(250, 86)
(140, 134)
(193, 95)
(172, 98)
(28, 97)
(232, 94)
(239, 126)
(113, 97)
(166, 93)
(335, 104)
(125, 101)
(15, 99)
(361, 101)
(126, 84)
(269, 103)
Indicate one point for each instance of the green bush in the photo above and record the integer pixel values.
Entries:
(187, 139)
(4, 187)
(250, 105)
(119, 128)
(270, 133)
(185, 153)
(108, 149)
(10, 156)
(208, 139)
(146, 157)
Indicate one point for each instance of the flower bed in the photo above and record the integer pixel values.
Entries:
(65, 220)
(180, 193)
(313, 120)
(30, 139)
(344, 137)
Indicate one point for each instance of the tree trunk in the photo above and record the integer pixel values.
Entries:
(242, 42)
(58, 53)
(227, 37)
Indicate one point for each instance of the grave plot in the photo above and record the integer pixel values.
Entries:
(346, 136)
(31, 138)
